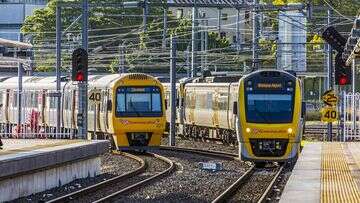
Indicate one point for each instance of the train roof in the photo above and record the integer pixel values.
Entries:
(49, 82)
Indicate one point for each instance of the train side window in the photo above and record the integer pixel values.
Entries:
(166, 103)
(109, 105)
(235, 108)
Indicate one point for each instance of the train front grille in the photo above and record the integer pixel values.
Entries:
(138, 138)
(269, 147)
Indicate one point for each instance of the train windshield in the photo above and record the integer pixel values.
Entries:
(138, 102)
(269, 108)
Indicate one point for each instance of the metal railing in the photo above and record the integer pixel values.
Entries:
(350, 116)
(36, 117)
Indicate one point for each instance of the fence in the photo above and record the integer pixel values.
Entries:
(350, 111)
(36, 118)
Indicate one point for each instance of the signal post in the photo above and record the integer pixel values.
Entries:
(80, 75)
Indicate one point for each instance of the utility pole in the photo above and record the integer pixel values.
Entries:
(19, 94)
(238, 37)
(330, 73)
(173, 91)
(187, 61)
(164, 29)
(194, 39)
(219, 21)
(256, 34)
(202, 41)
(145, 14)
(83, 102)
(121, 59)
(206, 44)
(58, 67)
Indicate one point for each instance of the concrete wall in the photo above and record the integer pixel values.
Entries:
(28, 184)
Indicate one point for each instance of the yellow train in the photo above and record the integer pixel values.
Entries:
(131, 110)
(261, 112)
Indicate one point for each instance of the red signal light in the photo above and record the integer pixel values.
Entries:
(343, 80)
(79, 76)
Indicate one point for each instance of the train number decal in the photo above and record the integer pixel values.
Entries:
(95, 96)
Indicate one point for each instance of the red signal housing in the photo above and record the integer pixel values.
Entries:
(79, 76)
(79, 65)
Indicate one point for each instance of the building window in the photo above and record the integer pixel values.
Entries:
(234, 39)
(179, 13)
(222, 34)
(247, 17)
(224, 16)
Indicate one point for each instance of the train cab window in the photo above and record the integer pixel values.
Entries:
(269, 108)
(138, 102)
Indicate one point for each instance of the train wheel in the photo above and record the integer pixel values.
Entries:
(112, 142)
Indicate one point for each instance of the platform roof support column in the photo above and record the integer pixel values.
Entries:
(58, 66)
(173, 91)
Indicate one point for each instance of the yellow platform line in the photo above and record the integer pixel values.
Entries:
(354, 148)
(337, 184)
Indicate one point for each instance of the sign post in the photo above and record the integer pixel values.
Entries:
(329, 113)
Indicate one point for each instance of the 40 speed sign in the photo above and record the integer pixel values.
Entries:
(329, 114)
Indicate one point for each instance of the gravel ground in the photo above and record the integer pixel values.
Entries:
(155, 166)
(189, 183)
(255, 186)
(180, 142)
(111, 165)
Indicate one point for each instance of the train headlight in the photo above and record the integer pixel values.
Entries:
(248, 130)
(289, 130)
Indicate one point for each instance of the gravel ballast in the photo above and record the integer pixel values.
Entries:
(253, 189)
(111, 166)
(189, 183)
(154, 167)
(180, 142)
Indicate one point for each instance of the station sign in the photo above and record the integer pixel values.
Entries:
(329, 98)
(329, 114)
(95, 96)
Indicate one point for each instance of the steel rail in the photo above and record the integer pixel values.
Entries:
(271, 185)
(87, 190)
(201, 151)
(142, 183)
(230, 191)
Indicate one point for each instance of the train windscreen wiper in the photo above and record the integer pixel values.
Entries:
(133, 108)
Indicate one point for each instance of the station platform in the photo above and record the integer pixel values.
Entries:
(29, 166)
(325, 172)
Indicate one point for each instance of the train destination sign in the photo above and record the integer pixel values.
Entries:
(329, 98)
(329, 114)
(269, 85)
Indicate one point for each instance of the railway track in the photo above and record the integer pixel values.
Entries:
(122, 184)
(231, 193)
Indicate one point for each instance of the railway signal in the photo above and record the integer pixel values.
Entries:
(343, 73)
(334, 38)
(79, 65)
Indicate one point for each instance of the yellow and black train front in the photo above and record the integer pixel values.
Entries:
(270, 118)
(139, 112)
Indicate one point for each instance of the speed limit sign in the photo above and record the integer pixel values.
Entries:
(95, 96)
(329, 114)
